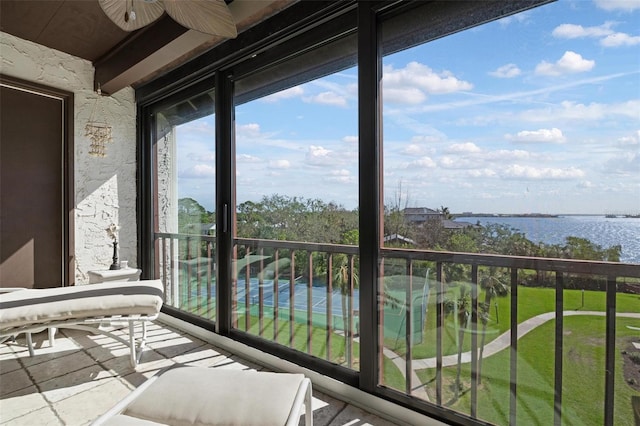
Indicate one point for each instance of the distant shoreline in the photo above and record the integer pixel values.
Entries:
(544, 215)
(507, 215)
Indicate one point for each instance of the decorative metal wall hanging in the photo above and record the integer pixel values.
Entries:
(98, 132)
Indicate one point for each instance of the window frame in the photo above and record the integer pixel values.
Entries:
(218, 68)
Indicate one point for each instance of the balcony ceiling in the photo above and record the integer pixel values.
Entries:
(80, 28)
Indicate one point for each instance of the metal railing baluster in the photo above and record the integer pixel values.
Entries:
(559, 315)
(474, 341)
(309, 301)
(409, 328)
(513, 353)
(329, 326)
(610, 351)
(439, 329)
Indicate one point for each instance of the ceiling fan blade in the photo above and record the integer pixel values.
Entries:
(207, 16)
(119, 11)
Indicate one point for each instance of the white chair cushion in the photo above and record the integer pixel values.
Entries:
(212, 396)
(40, 306)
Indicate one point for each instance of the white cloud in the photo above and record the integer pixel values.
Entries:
(279, 164)
(507, 155)
(482, 173)
(327, 98)
(620, 39)
(585, 184)
(412, 149)
(340, 172)
(608, 38)
(569, 110)
(423, 162)
(350, 139)
(464, 148)
(412, 84)
(419, 163)
(292, 92)
(320, 156)
(198, 126)
(447, 162)
(627, 163)
(199, 171)
(251, 130)
(404, 95)
(518, 17)
(553, 135)
(202, 156)
(570, 63)
(624, 5)
(571, 31)
(340, 176)
(506, 71)
(516, 171)
(426, 138)
(630, 141)
(246, 158)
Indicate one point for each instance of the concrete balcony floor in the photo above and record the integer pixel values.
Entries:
(84, 375)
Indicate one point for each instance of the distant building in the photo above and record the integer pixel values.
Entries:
(208, 229)
(452, 224)
(420, 215)
(398, 239)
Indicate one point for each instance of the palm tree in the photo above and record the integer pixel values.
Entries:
(495, 285)
(446, 214)
(344, 274)
(461, 309)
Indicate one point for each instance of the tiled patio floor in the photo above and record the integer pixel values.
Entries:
(84, 375)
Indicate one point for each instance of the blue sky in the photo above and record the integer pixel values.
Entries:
(538, 112)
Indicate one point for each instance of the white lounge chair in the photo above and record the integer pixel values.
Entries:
(83, 307)
(184, 395)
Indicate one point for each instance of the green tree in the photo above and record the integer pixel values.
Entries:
(584, 249)
(495, 284)
(394, 220)
(190, 215)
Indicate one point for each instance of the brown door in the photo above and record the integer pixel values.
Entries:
(33, 244)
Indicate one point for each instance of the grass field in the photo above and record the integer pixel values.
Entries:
(583, 377)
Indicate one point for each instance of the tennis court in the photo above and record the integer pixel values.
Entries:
(394, 314)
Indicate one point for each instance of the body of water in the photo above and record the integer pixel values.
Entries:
(601, 230)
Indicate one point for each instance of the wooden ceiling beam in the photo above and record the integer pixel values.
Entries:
(163, 45)
(139, 55)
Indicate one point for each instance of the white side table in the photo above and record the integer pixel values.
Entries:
(116, 275)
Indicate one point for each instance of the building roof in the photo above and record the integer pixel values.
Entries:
(419, 210)
(398, 237)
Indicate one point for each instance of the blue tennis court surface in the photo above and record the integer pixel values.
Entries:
(394, 314)
(300, 296)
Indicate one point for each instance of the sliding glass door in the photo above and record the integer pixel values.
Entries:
(295, 267)
(184, 200)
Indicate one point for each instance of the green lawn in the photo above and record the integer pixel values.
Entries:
(583, 377)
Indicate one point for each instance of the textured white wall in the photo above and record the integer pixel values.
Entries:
(105, 188)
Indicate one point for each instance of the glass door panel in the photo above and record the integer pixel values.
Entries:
(510, 140)
(296, 254)
(184, 203)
